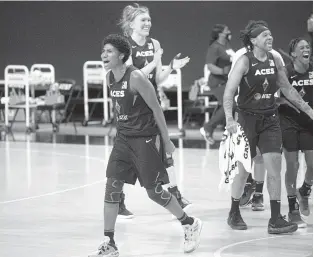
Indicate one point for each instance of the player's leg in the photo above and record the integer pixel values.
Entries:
(124, 213)
(270, 141)
(173, 186)
(303, 193)
(259, 177)
(119, 171)
(152, 175)
(235, 220)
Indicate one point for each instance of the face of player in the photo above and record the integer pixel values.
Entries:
(302, 52)
(264, 41)
(141, 24)
(111, 57)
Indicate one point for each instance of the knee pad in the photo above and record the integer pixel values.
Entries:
(113, 190)
(159, 195)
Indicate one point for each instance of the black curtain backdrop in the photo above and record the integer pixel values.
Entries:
(66, 34)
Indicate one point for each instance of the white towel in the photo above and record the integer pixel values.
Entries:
(233, 148)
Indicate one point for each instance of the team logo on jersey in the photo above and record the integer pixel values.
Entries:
(146, 62)
(144, 53)
(124, 85)
(150, 46)
(310, 75)
(271, 63)
(302, 92)
(257, 96)
(267, 71)
(117, 93)
(302, 82)
(265, 84)
(118, 107)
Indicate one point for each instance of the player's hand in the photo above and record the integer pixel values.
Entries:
(177, 63)
(231, 125)
(169, 147)
(157, 55)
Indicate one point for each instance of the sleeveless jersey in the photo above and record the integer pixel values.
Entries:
(258, 86)
(303, 83)
(133, 116)
(142, 55)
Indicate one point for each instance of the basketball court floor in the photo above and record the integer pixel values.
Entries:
(51, 205)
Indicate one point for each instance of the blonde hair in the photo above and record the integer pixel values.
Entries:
(128, 15)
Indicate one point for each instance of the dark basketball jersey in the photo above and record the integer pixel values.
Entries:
(303, 83)
(258, 86)
(142, 55)
(133, 116)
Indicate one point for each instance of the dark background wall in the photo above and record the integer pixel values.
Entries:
(66, 34)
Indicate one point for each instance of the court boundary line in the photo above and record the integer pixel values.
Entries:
(59, 191)
(218, 252)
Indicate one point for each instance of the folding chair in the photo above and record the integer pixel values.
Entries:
(56, 102)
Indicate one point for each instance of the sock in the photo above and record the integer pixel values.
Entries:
(186, 220)
(259, 187)
(235, 205)
(292, 200)
(249, 179)
(110, 235)
(305, 189)
(275, 209)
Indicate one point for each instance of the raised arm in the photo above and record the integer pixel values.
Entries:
(289, 91)
(140, 84)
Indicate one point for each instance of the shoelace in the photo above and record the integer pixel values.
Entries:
(188, 233)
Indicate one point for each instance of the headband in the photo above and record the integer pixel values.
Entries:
(257, 30)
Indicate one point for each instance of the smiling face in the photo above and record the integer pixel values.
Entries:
(263, 41)
(141, 24)
(111, 57)
(302, 52)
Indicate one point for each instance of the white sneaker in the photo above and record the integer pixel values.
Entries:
(105, 249)
(206, 136)
(192, 235)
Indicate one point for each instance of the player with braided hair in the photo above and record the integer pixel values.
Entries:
(297, 130)
(258, 74)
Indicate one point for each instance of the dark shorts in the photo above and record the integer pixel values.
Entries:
(139, 158)
(294, 137)
(262, 131)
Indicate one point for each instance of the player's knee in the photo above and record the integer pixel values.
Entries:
(159, 195)
(113, 190)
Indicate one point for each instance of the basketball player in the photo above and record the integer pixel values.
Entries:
(258, 73)
(297, 130)
(142, 136)
(253, 190)
(146, 56)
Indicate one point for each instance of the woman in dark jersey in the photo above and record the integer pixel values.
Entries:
(142, 136)
(146, 56)
(258, 74)
(297, 130)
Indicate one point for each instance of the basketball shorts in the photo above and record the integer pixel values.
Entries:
(262, 131)
(295, 137)
(139, 158)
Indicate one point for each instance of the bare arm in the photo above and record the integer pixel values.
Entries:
(289, 91)
(240, 69)
(139, 83)
(218, 71)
